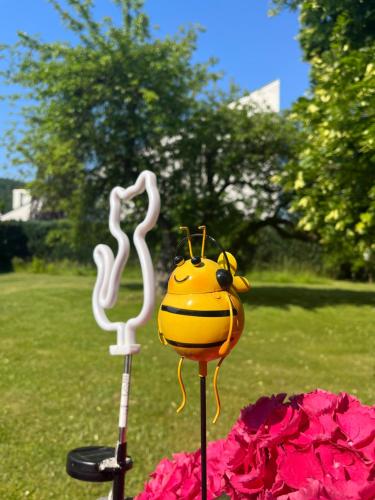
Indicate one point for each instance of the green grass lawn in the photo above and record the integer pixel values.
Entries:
(60, 387)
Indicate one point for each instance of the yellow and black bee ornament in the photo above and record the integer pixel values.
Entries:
(201, 316)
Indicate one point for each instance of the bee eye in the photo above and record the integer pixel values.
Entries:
(178, 260)
(224, 278)
(196, 261)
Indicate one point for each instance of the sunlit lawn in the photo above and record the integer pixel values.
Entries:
(60, 387)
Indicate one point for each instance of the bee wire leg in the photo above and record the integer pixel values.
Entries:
(217, 397)
(182, 387)
(225, 347)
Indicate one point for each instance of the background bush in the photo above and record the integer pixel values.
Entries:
(45, 246)
(25, 240)
(273, 251)
(13, 242)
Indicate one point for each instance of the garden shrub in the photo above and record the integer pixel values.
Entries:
(24, 240)
(13, 243)
(274, 252)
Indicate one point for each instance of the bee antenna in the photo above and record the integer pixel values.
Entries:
(185, 228)
(203, 239)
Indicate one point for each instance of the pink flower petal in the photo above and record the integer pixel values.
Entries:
(342, 464)
(358, 424)
(296, 467)
(255, 415)
(317, 402)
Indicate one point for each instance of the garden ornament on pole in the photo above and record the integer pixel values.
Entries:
(99, 464)
(201, 316)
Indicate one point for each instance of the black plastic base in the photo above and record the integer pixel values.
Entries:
(83, 464)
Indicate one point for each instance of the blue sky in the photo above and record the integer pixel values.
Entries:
(252, 48)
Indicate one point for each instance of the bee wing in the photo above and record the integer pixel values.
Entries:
(232, 262)
(241, 284)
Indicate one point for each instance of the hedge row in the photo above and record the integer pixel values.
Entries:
(51, 241)
(30, 239)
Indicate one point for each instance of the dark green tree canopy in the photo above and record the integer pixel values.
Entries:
(321, 20)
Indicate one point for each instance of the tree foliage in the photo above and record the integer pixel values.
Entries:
(320, 21)
(334, 180)
(120, 100)
(100, 105)
(224, 162)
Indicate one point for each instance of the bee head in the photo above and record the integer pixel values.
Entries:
(195, 275)
(199, 274)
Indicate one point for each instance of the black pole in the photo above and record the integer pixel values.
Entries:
(118, 492)
(203, 438)
(119, 479)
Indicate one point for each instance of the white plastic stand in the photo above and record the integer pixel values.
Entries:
(110, 268)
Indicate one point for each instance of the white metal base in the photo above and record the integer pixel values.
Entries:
(124, 349)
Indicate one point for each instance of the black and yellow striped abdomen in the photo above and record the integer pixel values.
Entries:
(196, 325)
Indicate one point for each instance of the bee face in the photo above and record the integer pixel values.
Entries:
(196, 275)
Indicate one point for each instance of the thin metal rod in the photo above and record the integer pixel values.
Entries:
(203, 438)
(119, 480)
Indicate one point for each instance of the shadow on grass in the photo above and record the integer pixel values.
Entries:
(284, 296)
(308, 298)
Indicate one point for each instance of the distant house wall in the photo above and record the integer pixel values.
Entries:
(20, 198)
(21, 206)
(266, 98)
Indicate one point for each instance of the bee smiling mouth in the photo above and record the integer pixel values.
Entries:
(180, 281)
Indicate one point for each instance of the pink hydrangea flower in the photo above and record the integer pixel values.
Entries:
(316, 446)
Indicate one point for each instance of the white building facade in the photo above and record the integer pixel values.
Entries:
(21, 206)
(266, 98)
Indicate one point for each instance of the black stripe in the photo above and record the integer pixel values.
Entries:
(194, 312)
(185, 344)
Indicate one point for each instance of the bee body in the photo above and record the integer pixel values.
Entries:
(201, 316)
(196, 325)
